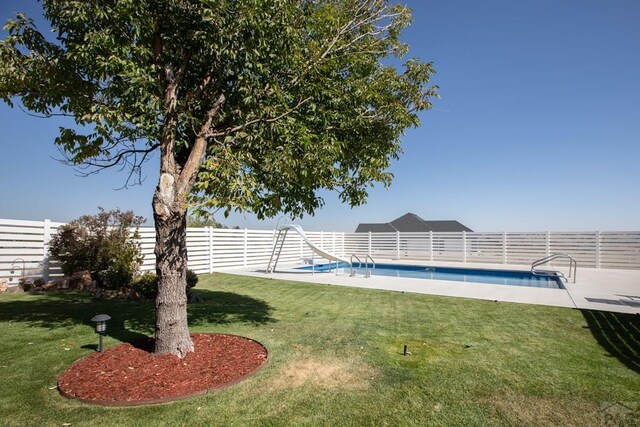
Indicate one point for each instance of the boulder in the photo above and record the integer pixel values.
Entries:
(80, 279)
(92, 286)
(15, 290)
(60, 283)
(26, 284)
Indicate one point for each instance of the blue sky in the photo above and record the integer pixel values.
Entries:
(537, 128)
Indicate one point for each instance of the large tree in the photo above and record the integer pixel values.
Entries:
(251, 104)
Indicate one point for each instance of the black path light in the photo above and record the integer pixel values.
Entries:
(101, 326)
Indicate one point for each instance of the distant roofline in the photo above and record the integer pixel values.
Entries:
(414, 223)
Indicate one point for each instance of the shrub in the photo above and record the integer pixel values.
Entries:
(116, 276)
(146, 284)
(26, 284)
(102, 244)
(192, 281)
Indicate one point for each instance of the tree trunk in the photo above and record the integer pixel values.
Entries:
(170, 216)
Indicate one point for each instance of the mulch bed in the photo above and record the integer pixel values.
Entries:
(129, 375)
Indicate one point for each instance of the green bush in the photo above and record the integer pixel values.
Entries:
(104, 244)
(25, 284)
(192, 281)
(116, 276)
(146, 284)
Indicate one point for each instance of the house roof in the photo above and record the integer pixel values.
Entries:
(412, 223)
(450, 225)
(375, 228)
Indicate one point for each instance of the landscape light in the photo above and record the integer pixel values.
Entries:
(101, 326)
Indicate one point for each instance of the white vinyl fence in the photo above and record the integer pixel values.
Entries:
(24, 247)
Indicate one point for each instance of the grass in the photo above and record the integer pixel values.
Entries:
(336, 359)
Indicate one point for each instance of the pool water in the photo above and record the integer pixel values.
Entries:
(493, 277)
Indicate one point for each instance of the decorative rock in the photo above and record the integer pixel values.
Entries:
(63, 283)
(49, 286)
(92, 286)
(15, 290)
(60, 283)
(26, 284)
(80, 279)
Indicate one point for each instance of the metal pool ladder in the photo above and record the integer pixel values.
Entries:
(366, 265)
(275, 253)
(573, 266)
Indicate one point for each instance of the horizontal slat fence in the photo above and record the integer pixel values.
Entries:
(25, 243)
(597, 249)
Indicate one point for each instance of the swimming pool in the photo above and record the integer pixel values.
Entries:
(473, 275)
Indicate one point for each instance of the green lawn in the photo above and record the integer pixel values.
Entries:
(336, 359)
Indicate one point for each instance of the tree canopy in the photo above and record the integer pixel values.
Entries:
(290, 96)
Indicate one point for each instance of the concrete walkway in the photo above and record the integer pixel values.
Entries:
(595, 289)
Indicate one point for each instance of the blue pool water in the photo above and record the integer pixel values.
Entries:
(494, 277)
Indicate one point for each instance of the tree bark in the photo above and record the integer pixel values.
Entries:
(170, 216)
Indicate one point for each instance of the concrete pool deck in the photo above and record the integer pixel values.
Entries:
(595, 289)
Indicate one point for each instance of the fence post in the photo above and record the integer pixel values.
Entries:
(397, 245)
(333, 242)
(210, 230)
(547, 243)
(245, 247)
(504, 247)
(301, 248)
(46, 238)
(431, 245)
(464, 246)
(598, 248)
(369, 245)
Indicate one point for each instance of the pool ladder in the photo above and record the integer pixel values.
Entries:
(573, 266)
(367, 272)
(277, 250)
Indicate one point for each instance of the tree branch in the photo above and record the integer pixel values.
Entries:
(44, 115)
(157, 43)
(126, 158)
(204, 82)
(365, 14)
(261, 119)
(188, 173)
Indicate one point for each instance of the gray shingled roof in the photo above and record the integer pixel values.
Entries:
(447, 226)
(375, 228)
(412, 223)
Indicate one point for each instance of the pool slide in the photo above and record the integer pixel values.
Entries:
(329, 256)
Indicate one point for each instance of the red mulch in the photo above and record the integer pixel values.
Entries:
(128, 375)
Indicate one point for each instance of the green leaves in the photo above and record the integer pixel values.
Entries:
(308, 103)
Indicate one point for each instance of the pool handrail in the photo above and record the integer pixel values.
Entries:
(353, 273)
(572, 264)
(366, 264)
(367, 271)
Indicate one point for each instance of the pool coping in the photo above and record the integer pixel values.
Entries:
(595, 289)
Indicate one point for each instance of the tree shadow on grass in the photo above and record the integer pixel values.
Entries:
(131, 321)
(618, 333)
